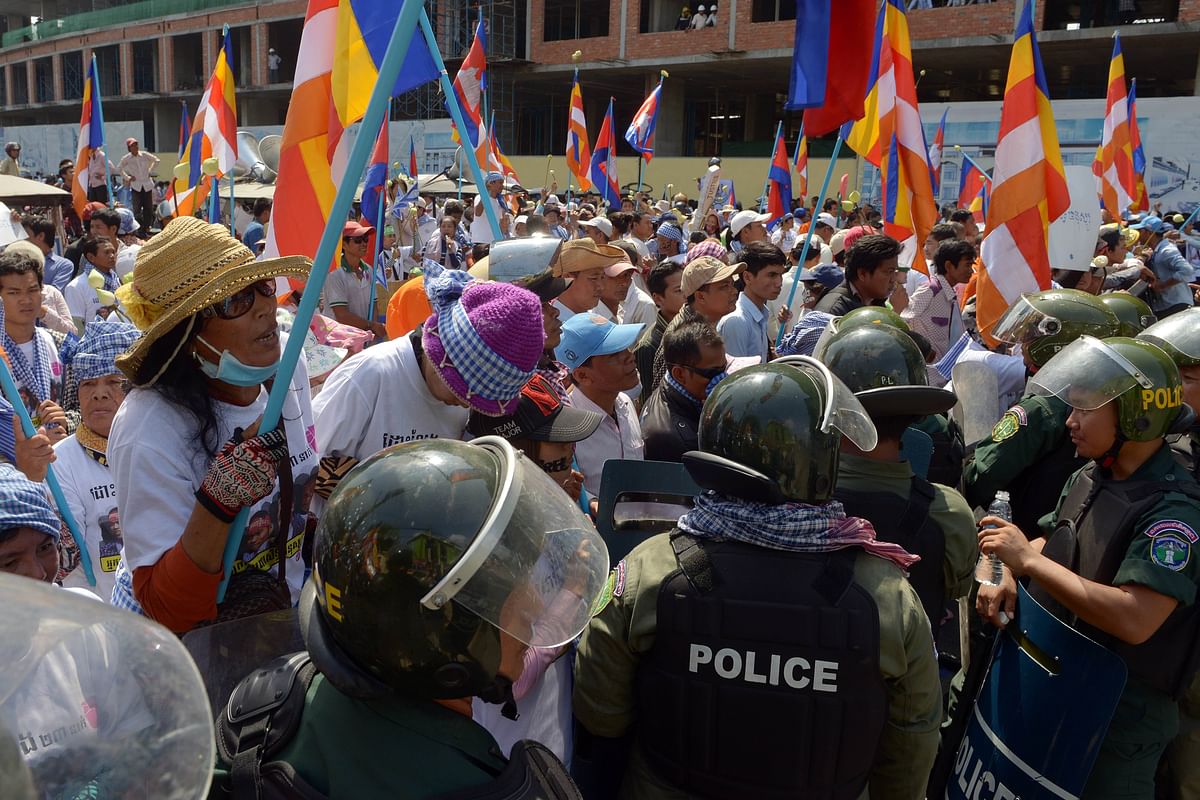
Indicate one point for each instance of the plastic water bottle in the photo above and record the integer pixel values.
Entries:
(990, 570)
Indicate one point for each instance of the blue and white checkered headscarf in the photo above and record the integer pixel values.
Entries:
(802, 339)
(23, 504)
(669, 230)
(94, 356)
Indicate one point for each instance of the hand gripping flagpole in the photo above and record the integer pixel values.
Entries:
(456, 114)
(14, 397)
(808, 237)
(389, 70)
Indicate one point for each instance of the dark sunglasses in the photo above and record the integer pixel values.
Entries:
(358, 239)
(238, 304)
(707, 373)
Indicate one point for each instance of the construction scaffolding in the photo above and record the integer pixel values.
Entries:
(453, 23)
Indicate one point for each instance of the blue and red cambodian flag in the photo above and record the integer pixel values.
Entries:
(935, 155)
(603, 173)
(779, 182)
(640, 134)
(470, 84)
(374, 194)
(829, 77)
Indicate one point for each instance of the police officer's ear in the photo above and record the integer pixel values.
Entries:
(1183, 421)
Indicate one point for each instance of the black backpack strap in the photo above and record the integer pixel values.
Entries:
(263, 714)
(696, 566)
(920, 498)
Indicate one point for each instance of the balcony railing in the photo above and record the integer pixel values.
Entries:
(109, 17)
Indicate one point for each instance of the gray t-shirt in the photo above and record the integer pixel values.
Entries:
(345, 288)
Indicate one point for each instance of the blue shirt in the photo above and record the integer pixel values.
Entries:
(58, 271)
(1169, 264)
(745, 330)
(253, 235)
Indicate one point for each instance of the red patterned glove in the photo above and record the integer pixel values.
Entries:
(242, 473)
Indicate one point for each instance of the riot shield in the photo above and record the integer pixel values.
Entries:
(228, 652)
(1041, 713)
(96, 701)
(978, 407)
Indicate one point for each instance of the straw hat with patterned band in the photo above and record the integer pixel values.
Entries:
(186, 268)
(580, 254)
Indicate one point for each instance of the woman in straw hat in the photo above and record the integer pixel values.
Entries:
(185, 451)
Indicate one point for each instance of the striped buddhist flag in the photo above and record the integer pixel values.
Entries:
(1113, 166)
(579, 152)
(496, 158)
(1141, 200)
(91, 139)
(892, 137)
(213, 135)
(341, 46)
(800, 164)
(1029, 186)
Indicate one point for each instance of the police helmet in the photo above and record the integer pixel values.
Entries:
(1133, 315)
(882, 365)
(1179, 336)
(1045, 322)
(863, 315)
(1138, 375)
(771, 433)
(435, 561)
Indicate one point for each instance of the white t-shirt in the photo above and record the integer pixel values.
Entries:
(78, 690)
(126, 257)
(378, 398)
(92, 498)
(619, 438)
(481, 229)
(55, 367)
(158, 468)
(82, 299)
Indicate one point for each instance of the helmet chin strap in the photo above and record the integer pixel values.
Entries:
(1110, 456)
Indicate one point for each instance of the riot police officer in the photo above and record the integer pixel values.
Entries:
(766, 612)
(884, 369)
(1116, 561)
(1029, 453)
(436, 564)
(1133, 314)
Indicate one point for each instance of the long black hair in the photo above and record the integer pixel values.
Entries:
(181, 382)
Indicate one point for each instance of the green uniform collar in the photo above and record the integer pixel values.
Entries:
(865, 469)
(1160, 464)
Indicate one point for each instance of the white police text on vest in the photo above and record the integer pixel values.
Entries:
(770, 669)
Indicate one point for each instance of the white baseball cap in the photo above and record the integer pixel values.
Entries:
(827, 219)
(743, 218)
(601, 224)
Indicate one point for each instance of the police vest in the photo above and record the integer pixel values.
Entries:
(1035, 492)
(1092, 533)
(949, 454)
(764, 679)
(906, 522)
(1185, 450)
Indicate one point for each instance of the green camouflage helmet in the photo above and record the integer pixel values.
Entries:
(1138, 375)
(784, 421)
(1133, 315)
(1045, 322)
(1179, 336)
(426, 553)
(883, 366)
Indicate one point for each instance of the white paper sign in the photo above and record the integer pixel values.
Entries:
(1073, 235)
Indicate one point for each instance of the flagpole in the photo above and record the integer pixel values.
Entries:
(232, 206)
(22, 413)
(458, 158)
(457, 115)
(762, 206)
(986, 178)
(808, 237)
(410, 14)
(376, 258)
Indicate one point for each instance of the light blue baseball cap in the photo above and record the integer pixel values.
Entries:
(586, 335)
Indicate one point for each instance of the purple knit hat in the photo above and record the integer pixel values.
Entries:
(484, 339)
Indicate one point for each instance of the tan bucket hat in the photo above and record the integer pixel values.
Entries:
(186, 268)
(580, 254)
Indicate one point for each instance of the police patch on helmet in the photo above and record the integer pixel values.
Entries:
(1170, 550)
(1007, 427)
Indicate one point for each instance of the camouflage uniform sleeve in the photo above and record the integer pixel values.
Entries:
(953, 515)
(1026, 432)
(909, 667)
(620, 632)
(1160, 555)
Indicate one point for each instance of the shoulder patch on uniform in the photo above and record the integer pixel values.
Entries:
(1173, 526)
(1009, 424)
(1171, 543)
(613, 587)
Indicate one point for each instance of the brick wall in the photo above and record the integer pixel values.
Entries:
(974, 20)
(1189, 10)
(757, 35)
(598, 48)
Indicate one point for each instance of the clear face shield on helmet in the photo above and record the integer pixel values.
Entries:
(842, 410)
(536, 565)
(1180, 331)
(1023, 322)
(1087, 373)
